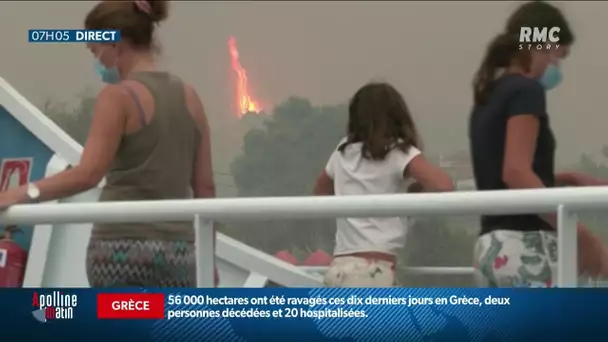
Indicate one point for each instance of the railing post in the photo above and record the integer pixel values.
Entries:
(205, 273)
(567, 243)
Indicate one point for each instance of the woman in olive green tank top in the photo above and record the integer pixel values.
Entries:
(134, 114)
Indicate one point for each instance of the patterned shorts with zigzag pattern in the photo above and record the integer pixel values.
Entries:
(141, 263)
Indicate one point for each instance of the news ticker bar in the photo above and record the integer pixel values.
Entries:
(153, 305)
(73, 36)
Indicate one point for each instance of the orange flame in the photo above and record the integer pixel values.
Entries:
(244, 102)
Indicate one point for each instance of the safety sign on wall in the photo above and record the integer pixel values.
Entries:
(14, 172)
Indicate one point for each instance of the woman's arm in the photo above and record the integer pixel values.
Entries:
(520, 146)
(202, 182)
(203, 185)
(517, 173)
(578, 179)
(564, 179)
(100, 149)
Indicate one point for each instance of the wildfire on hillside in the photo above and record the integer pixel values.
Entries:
(244, 101)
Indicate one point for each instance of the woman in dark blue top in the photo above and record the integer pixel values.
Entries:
(513, 147)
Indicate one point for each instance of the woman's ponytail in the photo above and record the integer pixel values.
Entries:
(498, 55)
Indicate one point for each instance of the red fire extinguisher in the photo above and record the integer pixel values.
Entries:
(13, 259)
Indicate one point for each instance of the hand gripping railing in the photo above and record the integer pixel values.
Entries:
(203, 211)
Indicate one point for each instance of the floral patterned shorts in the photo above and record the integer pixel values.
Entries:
(506, 258)
(349, 271)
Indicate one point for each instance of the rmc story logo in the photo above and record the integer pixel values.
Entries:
(539, 38)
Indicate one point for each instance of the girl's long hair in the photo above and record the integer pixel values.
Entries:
(380, 119)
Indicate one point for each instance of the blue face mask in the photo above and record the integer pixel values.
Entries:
(552, 77)
(107, 75)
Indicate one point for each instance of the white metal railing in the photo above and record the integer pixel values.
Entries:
(203, 211)
(412, 270)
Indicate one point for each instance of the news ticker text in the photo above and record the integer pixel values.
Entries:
(174, 306)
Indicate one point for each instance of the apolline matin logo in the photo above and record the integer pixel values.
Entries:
(539, 38)
(53, 306)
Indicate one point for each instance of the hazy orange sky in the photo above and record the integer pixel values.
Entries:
(324, 51)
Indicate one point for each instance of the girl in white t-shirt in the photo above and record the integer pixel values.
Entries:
(380, 151)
